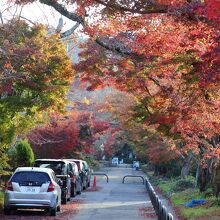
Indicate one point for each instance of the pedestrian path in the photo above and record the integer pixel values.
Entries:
(117, 201)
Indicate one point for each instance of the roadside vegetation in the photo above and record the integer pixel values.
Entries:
(180, 191)
(1, 200)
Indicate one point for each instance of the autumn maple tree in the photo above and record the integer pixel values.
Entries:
(170, 63)
(35, 73)
(67, 135)
(164, 53)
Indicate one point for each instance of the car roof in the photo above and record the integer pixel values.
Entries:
(70, 161)
(34, 169)
(78, 160)
(51, 160)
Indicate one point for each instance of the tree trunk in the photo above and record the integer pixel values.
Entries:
(197, 175)
(205, 176)
(156, 170)
(186, 166)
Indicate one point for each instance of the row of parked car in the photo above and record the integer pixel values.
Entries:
(46, 185)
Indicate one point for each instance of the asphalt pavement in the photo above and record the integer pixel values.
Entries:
(115, 200)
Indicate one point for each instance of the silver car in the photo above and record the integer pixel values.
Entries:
(33, 187)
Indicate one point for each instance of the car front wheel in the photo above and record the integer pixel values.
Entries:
(80, 190)
(64, 201)
(53, 212)
(7, 211)
(84, 185)
(73, 191)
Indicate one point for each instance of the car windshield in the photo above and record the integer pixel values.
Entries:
(86, 166)
(57, 166)
(30, 178)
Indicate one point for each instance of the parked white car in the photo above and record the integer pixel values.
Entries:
(33, 187)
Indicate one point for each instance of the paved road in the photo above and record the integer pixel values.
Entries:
(117, 201)
(111, 201)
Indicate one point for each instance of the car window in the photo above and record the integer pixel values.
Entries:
(75, 167)
(70, 167)
(78, 165)
(86, 165)
(59, 167)
(27, 178)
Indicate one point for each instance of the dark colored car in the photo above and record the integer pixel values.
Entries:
(76, 184)
(87, 173)
(62, 171)
(84, 172)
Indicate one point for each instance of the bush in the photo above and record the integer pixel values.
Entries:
(93, 164)
(183, 184)
(23, 154)
(128, 160)
(1, 200)
(146, 168)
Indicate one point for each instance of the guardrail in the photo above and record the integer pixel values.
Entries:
(101, 174)
(160, 209)
(123, 181)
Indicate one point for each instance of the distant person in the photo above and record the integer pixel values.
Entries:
(136, 165)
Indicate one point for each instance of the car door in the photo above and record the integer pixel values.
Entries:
(72, 179)
(79, 165)
(88, 173)
(69, 177)
(84, 175)
(78, 179)
(57, 186)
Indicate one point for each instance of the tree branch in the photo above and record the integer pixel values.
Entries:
(27, 19)
(45, 141)
(154, 80)
(120, 48)
(1, 18)
(60, 25)
(70, 31)
(149, 7)
(62, 10)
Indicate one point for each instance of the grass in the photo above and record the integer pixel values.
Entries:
(195, 213)
(165, 186)
(1, 200)
(178, 198)
(210, 208)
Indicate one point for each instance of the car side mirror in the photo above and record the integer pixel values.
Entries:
(70, 173)
(60, 182)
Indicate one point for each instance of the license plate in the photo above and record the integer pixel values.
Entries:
(30, 190)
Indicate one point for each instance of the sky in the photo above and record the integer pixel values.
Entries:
(35, 12)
